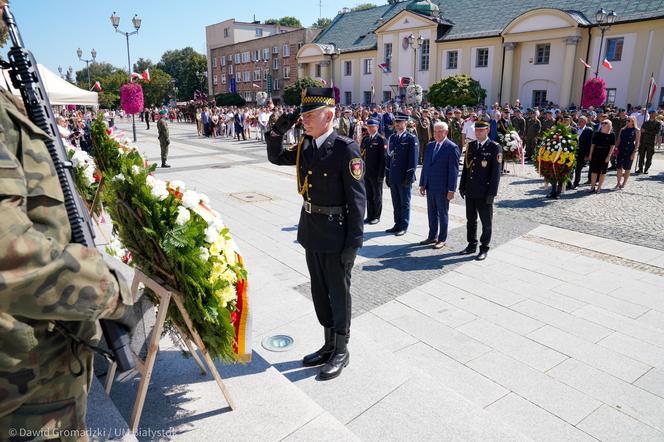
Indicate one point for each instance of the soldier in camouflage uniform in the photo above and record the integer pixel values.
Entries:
(548, 122)
(649, 131)
(456, 128)
(164, 137)
(44, 378)
(519, 123)
(533, 131)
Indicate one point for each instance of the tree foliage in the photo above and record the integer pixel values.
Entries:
(322, 23)
(363, 6)
(292, 22)
(456, 90)
(229, 99)
(188, 68)
(293, 94)
(159, 89)
(142, 64)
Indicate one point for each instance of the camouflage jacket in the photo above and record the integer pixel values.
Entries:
(162, 129)
(649, 131)
(42, 276)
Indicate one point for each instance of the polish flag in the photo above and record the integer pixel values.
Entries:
(607, 65)
(146, 76)
(652, 87)
(135, 76)
(583, 62)
(404, 81)
(97, 86)
(384, 67)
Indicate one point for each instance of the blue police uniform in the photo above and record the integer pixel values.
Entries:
(373, 150)
(403, 150)
(479, 185)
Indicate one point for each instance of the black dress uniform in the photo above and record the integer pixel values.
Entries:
(331, 181)
(479, 186)
(373, 152)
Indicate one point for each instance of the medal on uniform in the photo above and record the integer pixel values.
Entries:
(484, 163)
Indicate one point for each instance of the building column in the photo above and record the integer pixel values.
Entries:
(508, 70)
(568, 71)
(301, 70)
(325, 70)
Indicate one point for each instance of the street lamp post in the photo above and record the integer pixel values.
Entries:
(136, 21)
(604, 20)
(79, 52)
(415, 43)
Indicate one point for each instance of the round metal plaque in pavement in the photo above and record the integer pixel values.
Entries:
(278, 343)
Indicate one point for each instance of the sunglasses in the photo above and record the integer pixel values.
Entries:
(604, 123)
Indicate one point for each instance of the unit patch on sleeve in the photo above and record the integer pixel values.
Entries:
(356, 167)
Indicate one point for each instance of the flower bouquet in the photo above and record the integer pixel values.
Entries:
(86, 177)
(556, 157)
(512, 146)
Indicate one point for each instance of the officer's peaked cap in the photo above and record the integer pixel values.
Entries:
(315, 98)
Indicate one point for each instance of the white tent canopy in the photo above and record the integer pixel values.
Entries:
(60, 92)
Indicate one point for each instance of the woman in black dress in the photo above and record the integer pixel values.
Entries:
(603, 143)
(628, 145)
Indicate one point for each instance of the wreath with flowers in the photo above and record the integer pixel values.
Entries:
(512, 146)
(555, 158)
(172, 234)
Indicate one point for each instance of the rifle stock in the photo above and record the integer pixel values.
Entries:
(26, 77)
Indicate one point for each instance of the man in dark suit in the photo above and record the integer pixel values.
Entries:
(373, 151)
(438, 183)
(402, 153)
(388, 122)
(479, 186)
(330, 178)
(585, 134)
(238, 121)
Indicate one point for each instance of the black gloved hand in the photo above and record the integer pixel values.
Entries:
(348, 255)
(489, 199)
(462, 194)
(285, 122)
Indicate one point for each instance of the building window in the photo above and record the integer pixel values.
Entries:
(367, 66)
(257, 75)
(223, 60)
(259, 32)
(424, 55)
(223, 79)
(245, 57)
(453, 60)
(275, 84)
(286, 51)
(223, 70)
(348, 68)
(348, 98)
(542, 53)
(266, 53)
(286, 71)
(230, 58)
(214, 80)
(367, 97)
(388, 57)
(275, 50)
(482, 58)
(318, 71)
(265, 74)
(387, 96)
(614, 48)
(246, 76)
(611, 96)
(236, 58)
(539, 98)
(230, 69)
(275, 64)
(214, 62)
(225, 32)
(238, 77)
(299, 45)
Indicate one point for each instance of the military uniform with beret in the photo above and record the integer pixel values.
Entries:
(330, 178)
(164, 137)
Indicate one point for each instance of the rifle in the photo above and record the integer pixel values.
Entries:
(26, 77)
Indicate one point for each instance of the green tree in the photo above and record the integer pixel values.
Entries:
(292, 22)
(456, 90)
(142, 64)
(97, 72)
(110, 95)
(229, 100)
(363, 6)
(188, 68)
(293, 93)
(160, 87)
(322, 23)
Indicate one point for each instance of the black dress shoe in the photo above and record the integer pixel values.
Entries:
(374, 221)
(638, 172)
(338, 361)
(400, 233)
(468, 251)
(428, 241)
(481, 256)
(645, 172)
(392, 230)
(323, 354)
(366, 221)
(164, 165)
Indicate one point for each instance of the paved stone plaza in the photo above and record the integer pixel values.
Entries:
(558, 335)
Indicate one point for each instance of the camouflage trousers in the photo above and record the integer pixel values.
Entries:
(53, 411)
(164, 150)
(646, 152)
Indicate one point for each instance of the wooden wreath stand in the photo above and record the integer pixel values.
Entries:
(145, 367)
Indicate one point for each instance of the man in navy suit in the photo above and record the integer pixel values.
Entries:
(585, 134)
(438, 182)
(402, 152)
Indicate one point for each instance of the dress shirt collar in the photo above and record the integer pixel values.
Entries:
(320, 140)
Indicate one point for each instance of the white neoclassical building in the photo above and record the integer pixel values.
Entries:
(534, 54)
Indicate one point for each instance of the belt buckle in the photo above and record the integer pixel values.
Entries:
(307, 207)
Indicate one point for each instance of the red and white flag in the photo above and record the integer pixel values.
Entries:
(255, 86)
(97, 86)
(135, 76)
(583, 62)
(607, 65)
(385, 67)
(404, 81)
(652, 87)
(146, 76)
(324, 82)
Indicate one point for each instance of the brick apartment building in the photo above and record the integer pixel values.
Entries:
(244, 67)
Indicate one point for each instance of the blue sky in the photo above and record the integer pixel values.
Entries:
(53, 30)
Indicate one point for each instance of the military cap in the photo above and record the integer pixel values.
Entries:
(162, 112)
(372, 122)
(481, 124)
(400, 116)
(530, 109)
(314, 98)
(518, 109)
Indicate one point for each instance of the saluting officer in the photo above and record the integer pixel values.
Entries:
(402, 152)
(479, 186)
(330, 178)
(373, 151)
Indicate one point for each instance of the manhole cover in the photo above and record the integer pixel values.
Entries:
(278, 343)
(251, 197)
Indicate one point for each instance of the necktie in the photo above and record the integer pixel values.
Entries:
(436, 149)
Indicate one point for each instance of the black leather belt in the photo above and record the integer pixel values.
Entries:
(323, 210)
